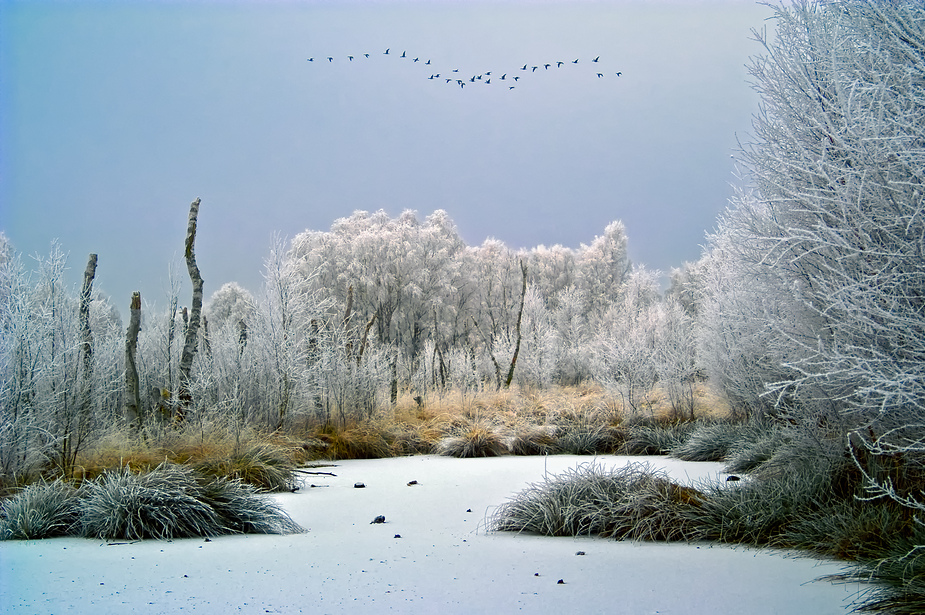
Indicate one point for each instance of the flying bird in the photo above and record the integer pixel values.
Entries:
(487, 82)
(534, 69)
(511, 87)
(427, 63)
(350, 58)
(366, 54)
(516, 78)
(311, 59)
(386, 52)
(618, 74)
(575, 61)
(546, 66)
(503, 76)
(330, 59)
(596, 59)
(599, 75)
(415, 59)
(403, 54)
(559, 64)
(524, 67)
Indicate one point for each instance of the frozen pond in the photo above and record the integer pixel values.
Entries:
(432, 555)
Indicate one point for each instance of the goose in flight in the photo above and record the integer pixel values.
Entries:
(503, 76)
(596, 59)
(427, 63)
(524, 67)
(403, 54)
(366, 54)
(386, 52)
(516, 78)
(511, 87)
(599, 75)
(330, 59)
(559, 64)
(618, 74)
(575, 61)
(311, 59)
(350, 58)
(534, 69)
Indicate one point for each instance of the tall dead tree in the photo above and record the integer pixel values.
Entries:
(133, 412)
(192, 328)
(86, 337)
(520, 315)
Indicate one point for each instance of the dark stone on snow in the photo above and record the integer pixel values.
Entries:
(379, 519)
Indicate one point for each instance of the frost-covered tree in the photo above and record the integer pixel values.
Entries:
(603, 268)
(830, 235)
(626, 341)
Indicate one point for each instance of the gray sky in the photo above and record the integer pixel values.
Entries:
(114, 116)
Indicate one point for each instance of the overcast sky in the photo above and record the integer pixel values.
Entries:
(114, 116)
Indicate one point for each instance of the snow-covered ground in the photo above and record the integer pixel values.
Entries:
(432, 555)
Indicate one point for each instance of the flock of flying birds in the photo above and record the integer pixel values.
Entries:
(509, 79)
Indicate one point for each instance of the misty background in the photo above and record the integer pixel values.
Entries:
(114, 116)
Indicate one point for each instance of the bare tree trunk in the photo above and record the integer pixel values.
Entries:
(192, 329)
(520, 314)
(86, 342)
(133, 412)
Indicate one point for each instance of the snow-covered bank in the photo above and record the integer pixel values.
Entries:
(432, 555)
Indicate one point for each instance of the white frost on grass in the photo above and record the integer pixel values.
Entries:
(444, 562)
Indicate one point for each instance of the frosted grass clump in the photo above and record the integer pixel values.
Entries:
(164, 503)
(634, 502)
(41, 510)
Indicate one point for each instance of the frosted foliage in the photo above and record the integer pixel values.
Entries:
(44, 418)
(625, 348)
(826, 253)
(230, 304)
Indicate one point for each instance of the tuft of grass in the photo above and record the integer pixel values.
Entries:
(652, 438)
(266, 466)
(758, 444)
(360, 441)
(633, 502)
(579, 439)
(475, 440)
(709, 441)
(534, 440)
(40, 510)
(164, 503)
(897, 578)
(171, 501)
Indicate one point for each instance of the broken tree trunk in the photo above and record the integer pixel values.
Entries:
(133, 412)
(520, 315)
(86, 337)
(192, 329)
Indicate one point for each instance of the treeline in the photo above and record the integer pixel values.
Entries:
(347, 321)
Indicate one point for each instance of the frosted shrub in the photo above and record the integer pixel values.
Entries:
(41, 510)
